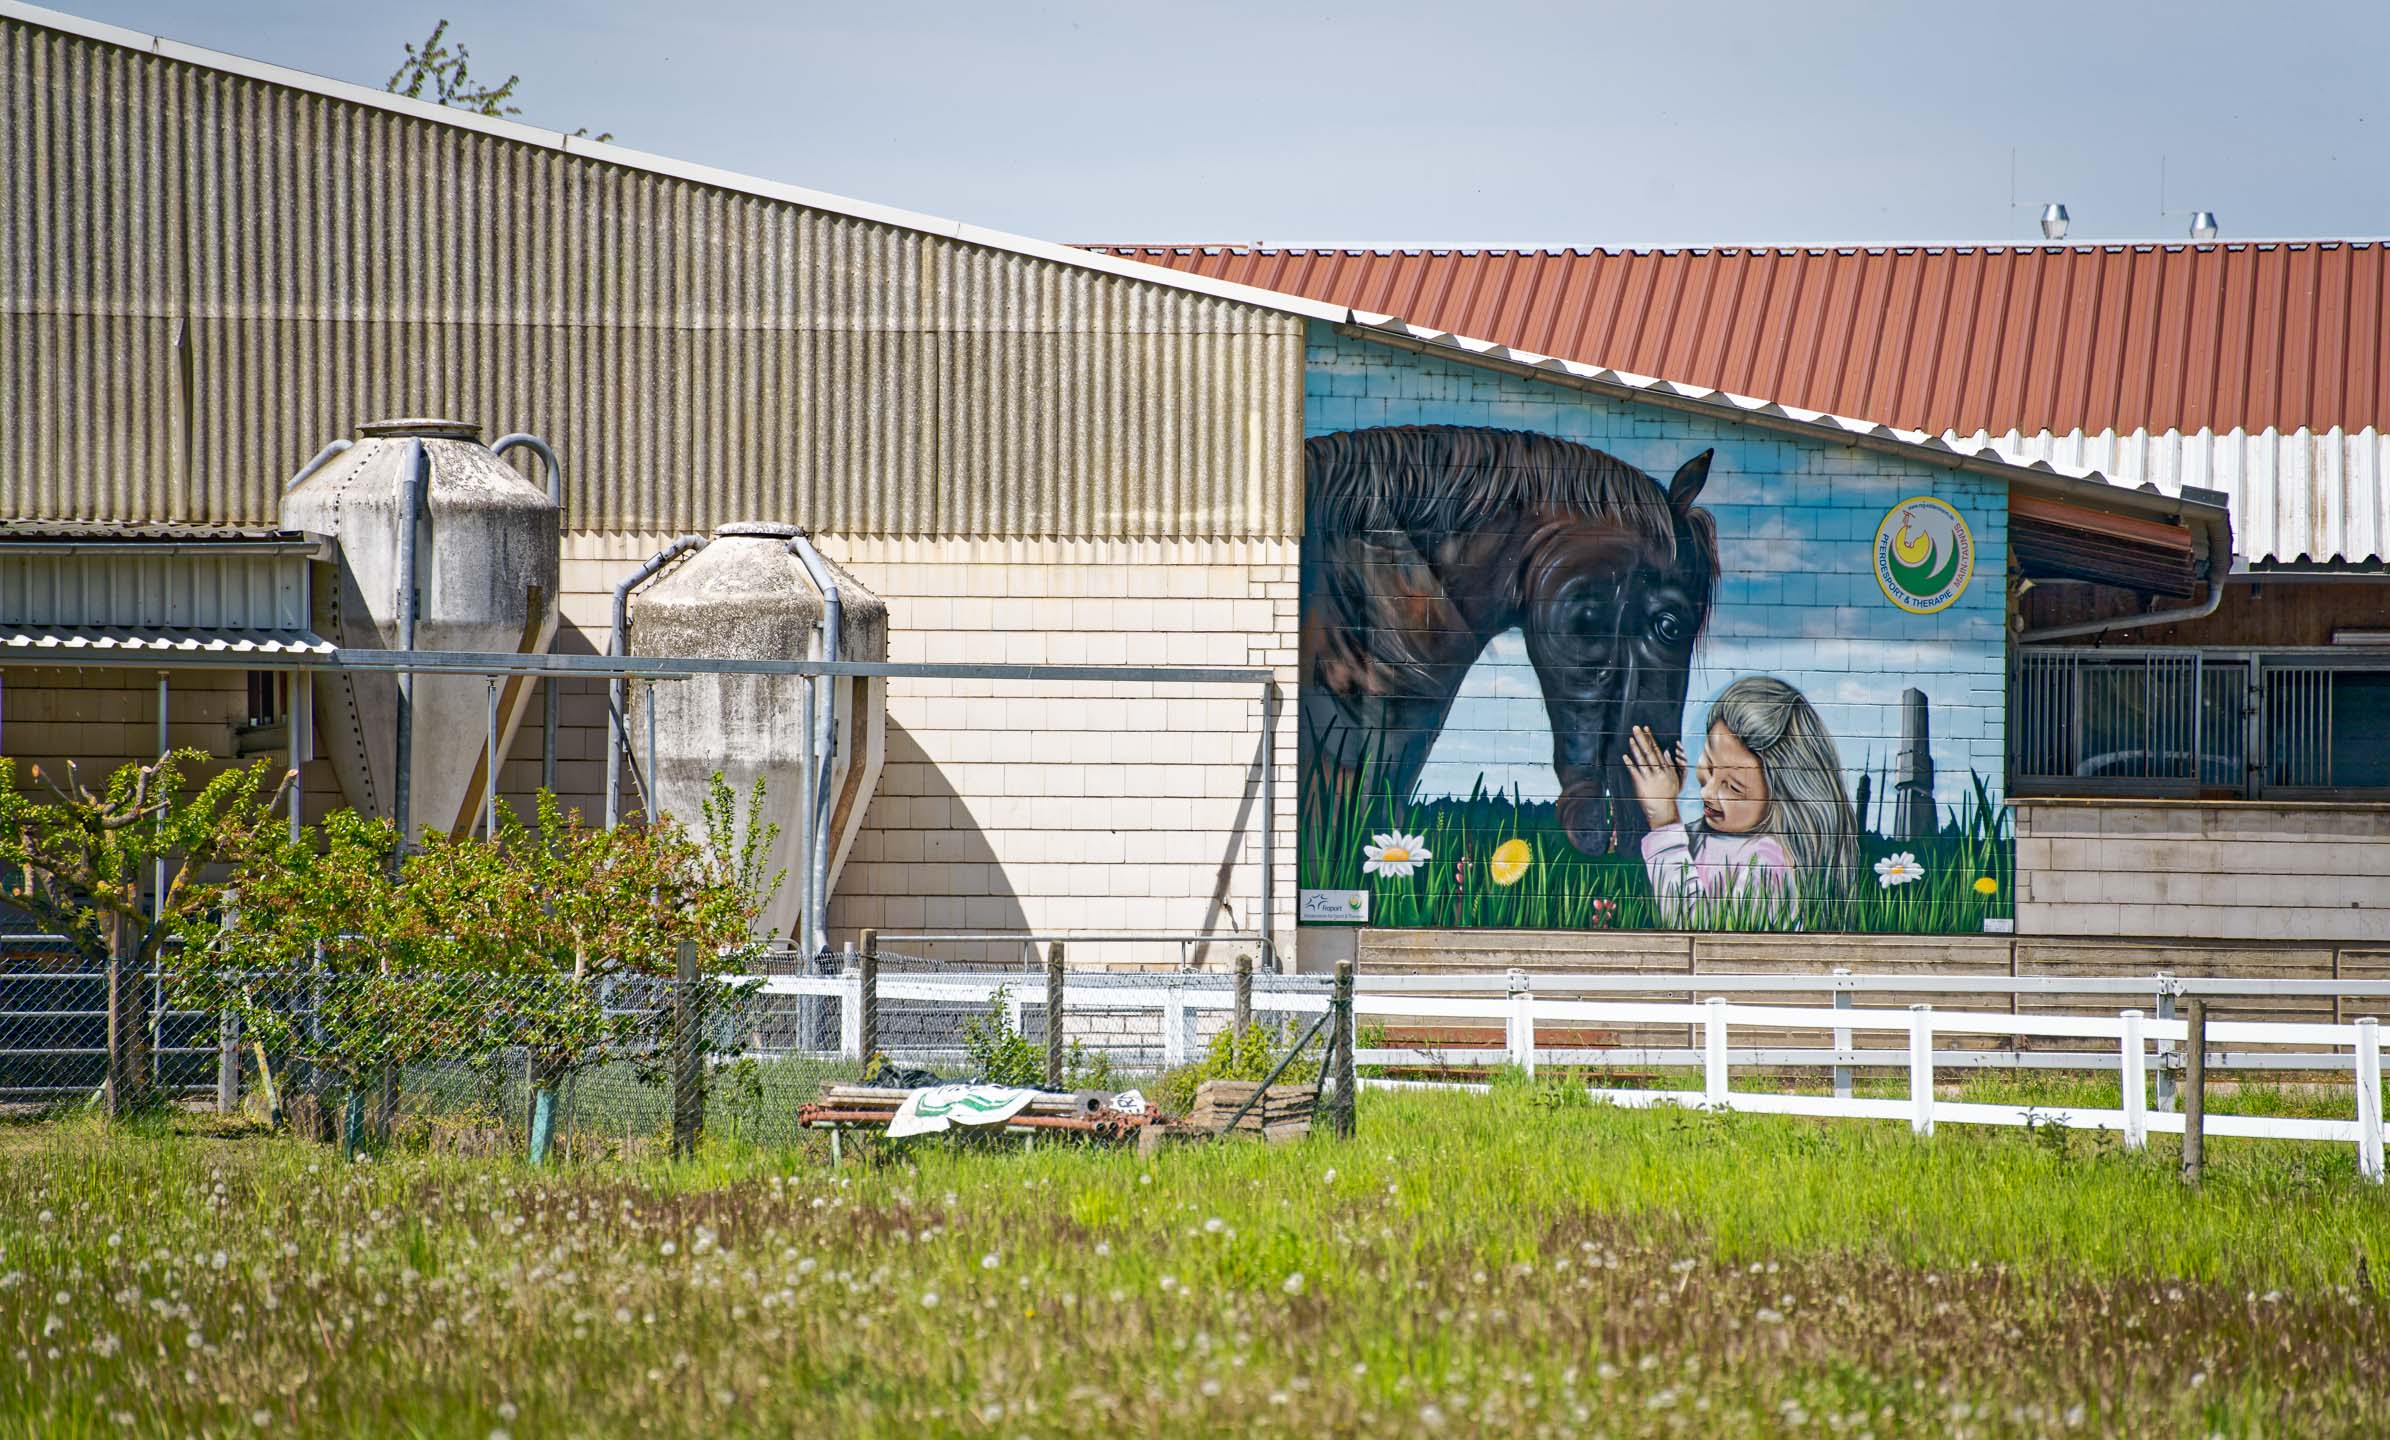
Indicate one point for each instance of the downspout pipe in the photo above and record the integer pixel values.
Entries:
(833, 630)
(620, 740)
(414, 478)
(2214, 523)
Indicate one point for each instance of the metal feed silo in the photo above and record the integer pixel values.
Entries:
(760, 591)
(483, 547)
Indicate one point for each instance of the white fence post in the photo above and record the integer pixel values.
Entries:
(2136, 1078)
(1921, 1069)
(850, 1013)
(1842, 1038)
(2369, 1099)
(1174, 1025)
(1522, 1022)
(1713, 1052)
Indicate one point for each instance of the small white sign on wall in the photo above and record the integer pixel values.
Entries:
(1333, 907)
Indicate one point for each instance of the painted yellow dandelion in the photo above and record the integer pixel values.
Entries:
(1986, 885)
(1509, 862)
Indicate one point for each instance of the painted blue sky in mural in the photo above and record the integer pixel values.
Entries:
(1797, 597)
(1798, 600)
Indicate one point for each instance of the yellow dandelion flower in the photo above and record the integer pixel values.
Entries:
(1986, 885)
(1510, 860)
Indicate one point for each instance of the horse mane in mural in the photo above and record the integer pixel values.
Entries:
(1421, 543)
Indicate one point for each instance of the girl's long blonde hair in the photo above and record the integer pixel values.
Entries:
(1808, 812)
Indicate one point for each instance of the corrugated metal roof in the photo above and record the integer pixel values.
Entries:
(146, 586)
(209, 267)
(2297, 499)
(365, 257)
(2301, 496)
(1976, 452)
(22, 536)
(63, 646)
(2216, 336)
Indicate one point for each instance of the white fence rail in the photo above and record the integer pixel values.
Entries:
(2133, 1043)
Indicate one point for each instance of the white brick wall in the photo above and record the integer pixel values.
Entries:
(1037, 806)
(2230, 871)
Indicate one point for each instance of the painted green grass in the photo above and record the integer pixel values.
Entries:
(1508, 1264)
(1565, 889)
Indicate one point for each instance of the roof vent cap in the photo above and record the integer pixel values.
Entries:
(2203, 224)
(2053, 221)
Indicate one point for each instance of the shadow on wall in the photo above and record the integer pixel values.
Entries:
(922, 864)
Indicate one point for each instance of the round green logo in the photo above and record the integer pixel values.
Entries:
(1924, 555)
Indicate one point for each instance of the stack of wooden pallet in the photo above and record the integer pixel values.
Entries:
(1284, 1113)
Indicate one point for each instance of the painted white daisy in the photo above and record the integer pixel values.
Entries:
(1898, 868)
(1395, 854)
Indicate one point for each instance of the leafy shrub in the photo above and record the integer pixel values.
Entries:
(1247, 1054)
(999, 1054)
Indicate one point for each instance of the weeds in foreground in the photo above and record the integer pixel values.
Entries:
(1472, 1264)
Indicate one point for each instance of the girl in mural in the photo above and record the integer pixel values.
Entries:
(1775, 829)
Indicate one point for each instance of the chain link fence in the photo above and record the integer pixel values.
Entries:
(492, 1064)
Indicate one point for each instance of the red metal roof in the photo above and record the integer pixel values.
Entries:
(2161, 337)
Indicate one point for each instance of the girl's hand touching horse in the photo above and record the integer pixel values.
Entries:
(1659, 777)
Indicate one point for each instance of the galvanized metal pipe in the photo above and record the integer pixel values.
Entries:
(547, 457)
(323, 457)
(619, 736)
(1269, 822)
(157, 894)
(414, 477)
(489, 777)
(826, 756)
(295, 728)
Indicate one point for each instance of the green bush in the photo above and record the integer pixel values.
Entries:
(1247, 1054)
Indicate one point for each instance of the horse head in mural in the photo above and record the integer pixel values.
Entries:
(1423, 542)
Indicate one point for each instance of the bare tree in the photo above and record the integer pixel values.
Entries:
(447, 72)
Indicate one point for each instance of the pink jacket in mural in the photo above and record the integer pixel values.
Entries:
(1727, 865)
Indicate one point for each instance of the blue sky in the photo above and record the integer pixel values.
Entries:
(1734, 121)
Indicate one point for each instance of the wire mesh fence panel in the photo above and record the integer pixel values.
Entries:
(54, 1033)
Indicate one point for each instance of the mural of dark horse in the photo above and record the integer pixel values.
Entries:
(1423, 542)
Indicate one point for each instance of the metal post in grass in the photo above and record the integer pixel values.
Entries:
(2195, 1092)
(2168, 1059)
(1921, 1069)
(228, 1063)
(1345, 1034)
(2369, 1099)
(1243, 1013)
(1842, 1039)
(869, 965)
(1054, 1016)
(2133, 1068)
(688, 1075)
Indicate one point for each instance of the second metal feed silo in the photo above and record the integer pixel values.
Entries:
(425, 500)
(761, 591)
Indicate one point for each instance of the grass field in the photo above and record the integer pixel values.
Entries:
(1512, 1264)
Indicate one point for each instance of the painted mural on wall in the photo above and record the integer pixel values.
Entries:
(1544, 687)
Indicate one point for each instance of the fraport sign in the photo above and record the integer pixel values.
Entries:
(1333, 907)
